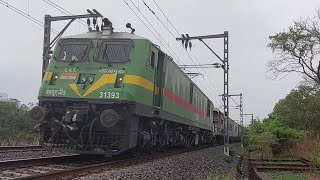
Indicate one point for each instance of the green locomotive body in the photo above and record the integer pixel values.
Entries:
(109, 92)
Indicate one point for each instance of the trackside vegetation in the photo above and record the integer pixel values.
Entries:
(293, 126)
(270, 136)
(294, 119)
(16, 126)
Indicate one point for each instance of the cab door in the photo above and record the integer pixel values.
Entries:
(159, 80)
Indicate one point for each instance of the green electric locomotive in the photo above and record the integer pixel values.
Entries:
(109, 92)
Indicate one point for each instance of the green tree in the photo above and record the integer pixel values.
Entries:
(16, 126)
(259, 139)
(300, 109)
(297, 50)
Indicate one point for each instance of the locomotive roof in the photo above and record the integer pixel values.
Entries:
(98, 35)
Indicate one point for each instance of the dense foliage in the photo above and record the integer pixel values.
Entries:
(291, 120)
(296, 50)
(271, 136)
(300, 109)
(16, 126)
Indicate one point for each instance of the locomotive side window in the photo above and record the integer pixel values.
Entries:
(114, 51)
(191, 93)
(72, 50)
(152, 59)
(208, 108)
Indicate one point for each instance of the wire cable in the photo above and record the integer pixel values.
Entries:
(175, 37)
(146, 25)
(166, 17)
(64, 11)
(26, 15)
(178, 59)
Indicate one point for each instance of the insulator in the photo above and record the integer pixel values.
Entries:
(190, 45)
(183, 38)
(94, 21)
(186, 43)
(88, 22)
(101, 26)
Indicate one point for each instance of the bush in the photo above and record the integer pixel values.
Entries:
(232, 153)
(314, 155)
(228, 159)
(270, 136)
(16, 126)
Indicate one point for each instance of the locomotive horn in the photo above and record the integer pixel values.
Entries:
(37, 113)
(109, 118)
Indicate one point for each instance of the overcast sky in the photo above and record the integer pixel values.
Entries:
(249, 23)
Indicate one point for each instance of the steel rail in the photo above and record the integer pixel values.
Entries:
(19, 163)
(5, 149)
(99, 167)
(259, 166)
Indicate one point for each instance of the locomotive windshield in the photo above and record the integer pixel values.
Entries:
(72, 50)
(114, 51)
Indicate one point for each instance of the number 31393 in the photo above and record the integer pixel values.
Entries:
(109, 95)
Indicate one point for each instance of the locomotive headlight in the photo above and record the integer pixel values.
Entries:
(90, 79)
(53, 79)
(83, 79)
(119, 81)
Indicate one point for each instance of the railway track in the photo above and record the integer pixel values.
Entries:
(65, 167)
(6, 149)
(258, 167)
(22, 168)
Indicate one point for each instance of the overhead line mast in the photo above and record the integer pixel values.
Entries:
(174, 36)
(250, 114)
(186, 41)
(240, 106)
(178, 59)
(47, 43)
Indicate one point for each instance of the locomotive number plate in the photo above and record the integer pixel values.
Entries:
(109, 95)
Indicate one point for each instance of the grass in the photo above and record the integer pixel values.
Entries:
(216, 176)
(287, 175)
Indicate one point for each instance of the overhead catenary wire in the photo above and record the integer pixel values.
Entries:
(145, 25)
(234, 101)
(158, 18)
(24, 14)
(178, 59)
(215, 94)
(166, 17)
(175, 37)
(64, 11)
